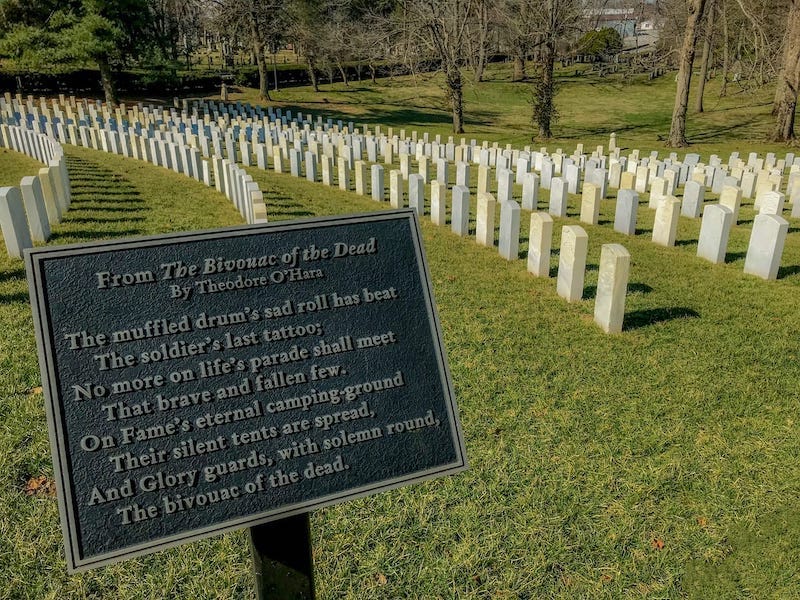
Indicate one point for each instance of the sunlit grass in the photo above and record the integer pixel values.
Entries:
(658, 463)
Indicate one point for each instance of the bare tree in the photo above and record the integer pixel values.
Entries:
(440, 29)
(677, 132)
(789, 79)
(258, 25)
(708, 39)
(479, 30)
(520, 29)
(556, 21)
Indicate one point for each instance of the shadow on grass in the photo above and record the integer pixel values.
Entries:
(103, 219)
(642, 318)
(788, 271)
(639, 288)
(734, 256)
(93, 234)
(15, 275)
(106, 208)
(590, 291)
(685, 242)
(293, 213)
(106, 191)
(15, 297)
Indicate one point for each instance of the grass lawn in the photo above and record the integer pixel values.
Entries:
(14, 166)
(590, 109)
(658, 463)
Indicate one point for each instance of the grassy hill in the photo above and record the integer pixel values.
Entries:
(658, 463)
(590, 108)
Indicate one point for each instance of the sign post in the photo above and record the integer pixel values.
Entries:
(203, 382)
(287, 571)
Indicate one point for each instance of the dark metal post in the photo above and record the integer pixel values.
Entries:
(282, 562)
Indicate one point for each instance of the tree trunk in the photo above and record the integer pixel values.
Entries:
(373, 73)
(107, 81)
(788, 80)
(261, 60)
(312, 73)
(707, 47)
(483, 36)
(726, 57)
(544, 115)
(519, 67)
(275, 71)
(677, 132)
(343, 73)
(456, 98)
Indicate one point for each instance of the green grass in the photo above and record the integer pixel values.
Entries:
(590, 109)
(15, 166)
(587, 451)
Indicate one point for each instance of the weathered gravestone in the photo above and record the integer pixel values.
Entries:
(612, 287)
(712, 242)
(508, 244)
(766, 246)
(665, 225)
(572, 262)
(540, 239)
(590, 204)
(238, 377)
(626, 212)
(484, 220)
(438, 203)
(459, 219)
(558, 197)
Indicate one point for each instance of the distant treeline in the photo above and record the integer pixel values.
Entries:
(165, 82)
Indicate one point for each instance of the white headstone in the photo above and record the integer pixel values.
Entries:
(442, 170)
(377, 183)
(540, 239)
(572, 175)
(530, 191)
(665, 226)
(459, 218)
(416, 193)
(626, 212)
(658, 191)
(462, 174)
(693, 196)
(13, 223)
(35, 209)
(590, 203)
(772, 203)
(438, 203)
(505, 185)
(558, 197)
(327, 169)
(714, 231)
(612, 287)
(766, 246)
(344, 176)
(395, 188)
(731, 197)
(508, 245)
(360, 170)
(49, 193)
(484, 227)
(572, 262)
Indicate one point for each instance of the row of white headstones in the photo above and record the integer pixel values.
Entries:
(28, 211)
(279, 132)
